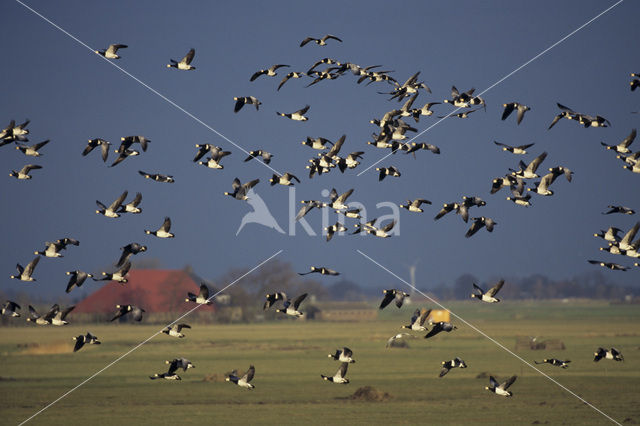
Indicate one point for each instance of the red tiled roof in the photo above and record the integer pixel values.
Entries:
(154, 290)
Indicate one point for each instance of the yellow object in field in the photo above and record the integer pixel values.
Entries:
(438, 315)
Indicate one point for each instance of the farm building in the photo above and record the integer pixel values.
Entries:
(154, 290)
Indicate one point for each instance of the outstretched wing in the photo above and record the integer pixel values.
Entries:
(299, 300)
(495, 289)
(388, 297)
(189, 56)
(509, 382)
(204, 291)
(248, 376)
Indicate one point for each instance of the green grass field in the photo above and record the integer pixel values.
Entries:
(289, 357)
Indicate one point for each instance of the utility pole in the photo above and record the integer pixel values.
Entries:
(412, 276)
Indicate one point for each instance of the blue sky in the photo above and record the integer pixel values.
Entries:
(71, 95)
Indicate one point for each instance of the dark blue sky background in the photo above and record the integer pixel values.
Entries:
(71, 95)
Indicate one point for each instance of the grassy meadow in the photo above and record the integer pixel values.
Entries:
(289, 357)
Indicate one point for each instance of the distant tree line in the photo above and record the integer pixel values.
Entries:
(247, 295)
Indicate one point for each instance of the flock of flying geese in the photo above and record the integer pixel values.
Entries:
(391, 132)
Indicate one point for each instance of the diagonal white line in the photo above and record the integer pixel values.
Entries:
(151, 89)
(501, 80)
(147, 339)
(476, 329)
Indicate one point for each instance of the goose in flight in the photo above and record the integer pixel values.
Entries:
(521, 149)
(337, 227)
(289, 76)
(60, 315)
(286, 179)
(489, 295)
(411, 149)
(246, 100)
(479, 223)
(45, 319)
(383, 232)
(78, 278)
(514, 106)
(308, 206)
(463, 114)
(418, 319)
(213, 162)
(51, 250)
(321, 270)
(163, 231)
(185, 63)
(13, 133)
(339, 377)
(622, 147)
(240, 190)
(175, 330)
(619, 209)
(103, 144)
(460, 100)
(157, 177)
(542, 187)
(626, 243)
(10, 309)
(528, 171)
(448, 365)
(271, 71)
(202, 298)
(297, 115)
(501, 388)
(517, 190)
(565, 112)
(393, 295)
(338, 202)
(25, 274)
(343, 355)
(273, 298)
(178, 363)
(204, 149)
(86, 339)
(123, 155)
(440, 327)
(500, 182)
(612, 353)
(555, 362)
(266, 156)
(320, 41)
(291, 307)
(611, 234)
(23, 173)
(132, 206)
(387, 171)
(317, 143)
(127, 141)
(111, 52)
(118, 276)
(243, 381)
(129, 250)
(112, 210)
(32, 150)
(166, 376)
(609, 265)
(123, 310)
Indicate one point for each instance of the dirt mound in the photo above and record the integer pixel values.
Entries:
(369, 393)
(46, 348)
(213, 378)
